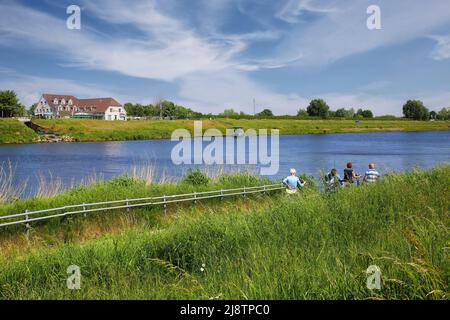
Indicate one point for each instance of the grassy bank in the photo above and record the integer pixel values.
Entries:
(97, 130)
(13, 131)
(311, 246)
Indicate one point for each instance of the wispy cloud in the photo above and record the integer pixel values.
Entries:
(292, 11)
(343, 32)
(168, 50)
(442, 49)
(210, 67)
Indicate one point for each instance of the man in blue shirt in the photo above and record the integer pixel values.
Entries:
(292, 182)
(371, 175)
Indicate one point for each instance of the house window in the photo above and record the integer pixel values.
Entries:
(63, 101)
(55, 101)
(70, 102)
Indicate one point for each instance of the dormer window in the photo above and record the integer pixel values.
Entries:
(63, 101)
(70, 102)
(55, 101)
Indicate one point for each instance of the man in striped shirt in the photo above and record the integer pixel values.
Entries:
(371, 175)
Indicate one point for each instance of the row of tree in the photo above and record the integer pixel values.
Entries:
(230, 113)
(415, 109)
(161, 109)
(412, 109)
(319, 108)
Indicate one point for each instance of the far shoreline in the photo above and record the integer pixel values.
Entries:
(168, 138)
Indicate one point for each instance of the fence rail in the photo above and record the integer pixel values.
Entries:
(85, 208)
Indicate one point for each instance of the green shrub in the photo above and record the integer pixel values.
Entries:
(196, 178)
(123, 180)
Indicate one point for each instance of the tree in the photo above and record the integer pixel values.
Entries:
(318, 108)
(228, 113)
(302, 113)
(10, 105)
(265, 113)
(414, 109)
(350, 113)
(340, 113)
(433, 115)
(367, 114)
(444, 114)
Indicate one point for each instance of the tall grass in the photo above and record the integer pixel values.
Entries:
(311, 246)
(9, 190)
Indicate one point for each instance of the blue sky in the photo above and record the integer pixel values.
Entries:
(216, 54)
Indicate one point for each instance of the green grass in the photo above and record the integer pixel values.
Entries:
(13, 131)
(98, 130)
(311, 246)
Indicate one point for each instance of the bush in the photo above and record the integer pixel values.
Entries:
(122, 181)
(196, 178)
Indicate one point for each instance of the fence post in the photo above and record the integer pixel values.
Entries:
(265, 191)
(221, 194)
(195, 197)
(165, 205)
(84, 209)
(245, 192)
(28, 226)
(127, 204)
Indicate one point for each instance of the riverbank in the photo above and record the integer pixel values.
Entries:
(311, 246)
(98, 130)
(13, 131)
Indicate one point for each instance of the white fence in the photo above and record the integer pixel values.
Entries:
(85, 208)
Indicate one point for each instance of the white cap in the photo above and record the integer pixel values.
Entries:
(293, 171)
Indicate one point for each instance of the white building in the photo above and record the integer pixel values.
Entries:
(64, 106)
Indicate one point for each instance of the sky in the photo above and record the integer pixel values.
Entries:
(215, 54)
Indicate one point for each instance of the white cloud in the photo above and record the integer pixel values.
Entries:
(169, 49)
(442, 50)
(343, 32)
(210, 68)
(29, 88)
(292, 11)
(215, 92)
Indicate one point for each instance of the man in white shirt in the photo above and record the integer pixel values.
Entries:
(371, 175)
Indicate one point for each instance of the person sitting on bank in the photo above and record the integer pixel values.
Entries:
(350, 176)
(333, 180)
(371, 175)
(293, 182)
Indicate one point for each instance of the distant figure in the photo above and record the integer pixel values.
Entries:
(292, 182)
(350, 175)
(332, 180)
(371, 175)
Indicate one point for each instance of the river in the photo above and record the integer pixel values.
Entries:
(72, 162)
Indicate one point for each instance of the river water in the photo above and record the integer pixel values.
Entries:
(72, 162)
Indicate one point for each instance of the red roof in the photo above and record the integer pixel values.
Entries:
(100, 104)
